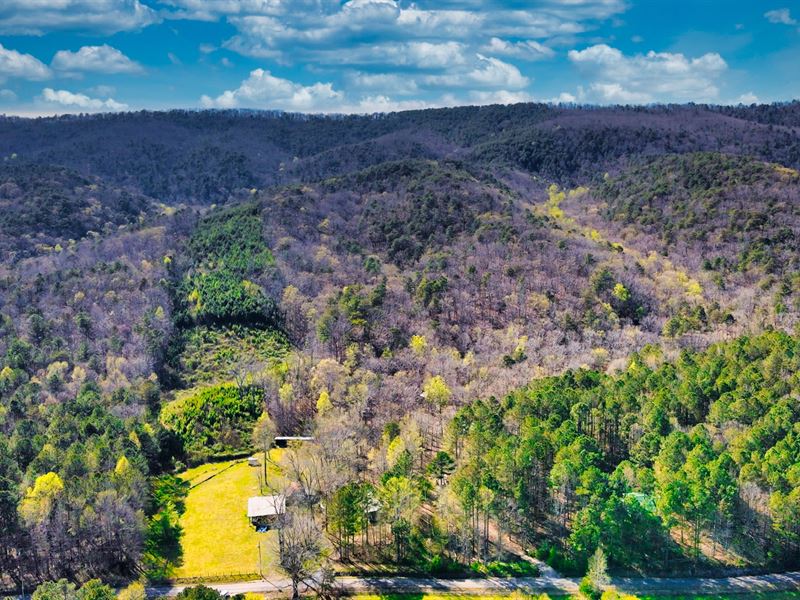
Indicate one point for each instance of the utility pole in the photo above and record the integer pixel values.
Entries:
(260, 564)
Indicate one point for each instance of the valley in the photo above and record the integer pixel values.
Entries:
(513, 335)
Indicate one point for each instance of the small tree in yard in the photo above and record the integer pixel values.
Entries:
(134, 591)
(263, 438)
(56, 590)
(596, 576)
(302, 553)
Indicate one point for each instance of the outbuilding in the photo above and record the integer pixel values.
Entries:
(282, 441)
(265, 512)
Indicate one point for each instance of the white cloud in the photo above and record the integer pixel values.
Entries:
(263, 90)
(499, 97)
(7, 96)
(493, 72)
(587, 9)
(295, 30)
(651, 77)
(209, 10)
(23, 66)
(79, 102)
(104, 91)
(383, 104)
(488, 72)
(398, 84)
(525, 50)
(36, 17)
(415, 54)
(432, 55)
(440, 23)
(564, 98)
(780, 16)
(748, 98)
(99, 59)
(614, 93)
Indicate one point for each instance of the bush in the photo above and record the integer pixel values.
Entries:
(587, 589)
(505, 569)
(440, 564)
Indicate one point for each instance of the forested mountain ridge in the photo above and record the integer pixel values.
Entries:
(207, 156)
(515, 287)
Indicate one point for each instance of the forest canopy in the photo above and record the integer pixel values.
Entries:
(570, 332)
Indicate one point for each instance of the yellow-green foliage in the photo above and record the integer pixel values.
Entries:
(324, 402)
(134, 591)
(39, 499)
(554, 199)
(436, 391)
(418, 344)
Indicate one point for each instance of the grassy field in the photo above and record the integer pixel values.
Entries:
(218, 540)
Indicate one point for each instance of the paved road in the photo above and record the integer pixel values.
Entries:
(551, 584)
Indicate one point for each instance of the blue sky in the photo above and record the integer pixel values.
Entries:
(59, 56)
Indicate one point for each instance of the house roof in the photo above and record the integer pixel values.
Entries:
(266, 506)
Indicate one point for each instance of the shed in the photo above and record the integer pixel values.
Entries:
(282, 441)
(264, 511)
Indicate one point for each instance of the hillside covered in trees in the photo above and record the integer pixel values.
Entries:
(507, 328)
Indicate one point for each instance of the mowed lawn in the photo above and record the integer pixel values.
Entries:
(218, 540)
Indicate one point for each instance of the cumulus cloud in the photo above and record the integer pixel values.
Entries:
(524, 50)
(209, 10)
(493, 72)
(99, 59)
(263, 90)
(643, 78)
(747, 98)
(15, 64)
(498, 97)
(384, 104)
(79, 102)
(314, 29)
(489, 72)
(563, 98)
(780, 16)
(7, 96)
(37, 17)
(413, 54)
(104, 91)
(398, 84)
